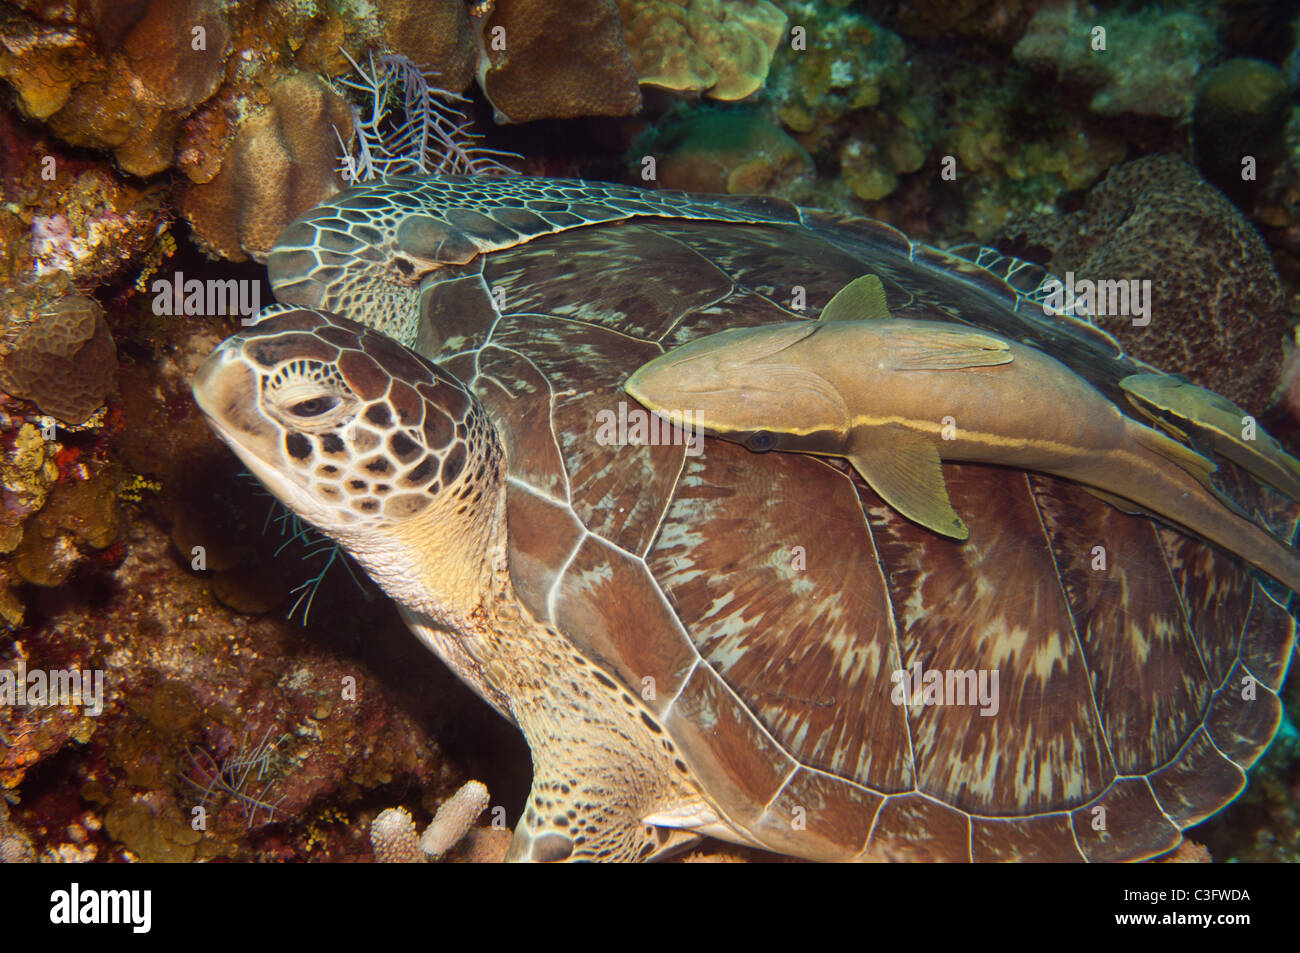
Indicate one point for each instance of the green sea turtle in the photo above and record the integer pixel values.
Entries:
(753, 646)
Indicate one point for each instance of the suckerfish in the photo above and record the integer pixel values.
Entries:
(896, 397)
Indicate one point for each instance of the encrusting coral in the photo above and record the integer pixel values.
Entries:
(722, 48)
(283, 161)
(120, 77)
(711, 150)
(542, 60)
(1147, 66)
(63, 360)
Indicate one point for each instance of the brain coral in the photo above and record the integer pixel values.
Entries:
(1217, 310)
(118, 76)
(282, 162)
(63, 360)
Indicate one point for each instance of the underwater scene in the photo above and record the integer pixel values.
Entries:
(621, 430)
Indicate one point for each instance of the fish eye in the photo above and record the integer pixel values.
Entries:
(760, 441)
(315, 406)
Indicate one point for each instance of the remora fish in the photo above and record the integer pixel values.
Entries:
(877, 393)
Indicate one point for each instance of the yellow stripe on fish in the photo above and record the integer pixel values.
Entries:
(897, 397)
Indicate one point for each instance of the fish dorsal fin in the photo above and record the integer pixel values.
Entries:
(904, 469)
(917, 348)
(860, 300)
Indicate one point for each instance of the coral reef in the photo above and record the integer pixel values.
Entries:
(1241, 109)
(435, 35)
(280, 163)
(80, 517)
(540, 60)
(393, 837)
(65, 223)
(15, 845)
(1216, 302)
(998, 21)
(120, 78)
(851, 63)
(1018, 149)
(63, 359)
(130, 543)
(709, 150)
(454, 819)
(722, 48)
(1148, 65)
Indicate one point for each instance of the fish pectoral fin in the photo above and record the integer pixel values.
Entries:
(861, 299)
(943, 349)
(904, 469)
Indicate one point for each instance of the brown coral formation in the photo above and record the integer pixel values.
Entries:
(541, 60)
(282, 162)
(118, 77)
(1147, 66)
(66, 224)
(1000, 21)
(63, 360)
(1241, 110)
(81, 516)
(437, 35)
(722, 48)
(737, 152)
(1217, 311)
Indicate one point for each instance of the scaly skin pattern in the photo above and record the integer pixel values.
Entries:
(398, 462)
(368, 248)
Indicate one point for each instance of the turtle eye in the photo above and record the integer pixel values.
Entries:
(314, 407)
(760, 441)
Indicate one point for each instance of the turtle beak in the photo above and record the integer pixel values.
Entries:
(225, 388)
(207, 384)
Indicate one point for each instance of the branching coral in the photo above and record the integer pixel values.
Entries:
(393, 837)
(431, 134)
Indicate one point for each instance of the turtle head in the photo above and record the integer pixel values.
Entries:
(762, 387)
(367, 441)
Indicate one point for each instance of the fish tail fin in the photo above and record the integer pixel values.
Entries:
(1173, 481)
